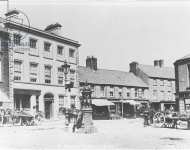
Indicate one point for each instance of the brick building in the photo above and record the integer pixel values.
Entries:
(35, 73)
(161, 83)
(122, 89)
(182, 74)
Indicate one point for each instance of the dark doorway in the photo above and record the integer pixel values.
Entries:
(48, 105)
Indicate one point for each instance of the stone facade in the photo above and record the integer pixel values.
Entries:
(36, 76)
(161, 91)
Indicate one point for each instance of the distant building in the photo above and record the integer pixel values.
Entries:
(34, 69)
(161, 83)
(182, 74)
(123, 89)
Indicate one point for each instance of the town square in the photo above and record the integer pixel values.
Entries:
(94, 75)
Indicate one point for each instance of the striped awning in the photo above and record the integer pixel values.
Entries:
(101, 102)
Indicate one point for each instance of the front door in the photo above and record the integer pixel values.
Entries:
(48, 109)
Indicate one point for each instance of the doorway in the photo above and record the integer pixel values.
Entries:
(48, 105)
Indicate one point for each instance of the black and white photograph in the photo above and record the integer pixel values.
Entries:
(94, 74)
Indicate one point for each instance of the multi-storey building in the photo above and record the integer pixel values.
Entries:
(36, 78)
(4, 78)
(182, 74)
(122, 89)
(161, 83)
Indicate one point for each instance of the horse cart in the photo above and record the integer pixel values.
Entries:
(171, 120)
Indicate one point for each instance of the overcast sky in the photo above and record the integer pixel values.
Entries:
(117, 32)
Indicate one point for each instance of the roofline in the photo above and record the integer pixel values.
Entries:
(162, 78)
(14, 25)
(183, 60)
(114, 84)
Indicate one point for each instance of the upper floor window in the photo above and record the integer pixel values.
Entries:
(154, 82)
(33, 68)
(33, 43)
(47, 46)
(120, 94)
(17, 66)
(17, 39)
(128, 94)
(170, 83)
(47, 74)
(17, 69)
(161, 82)
(60, 75)
(154, 93)
(60, 50)
(136, 92)
(71, 53)
(111, 94)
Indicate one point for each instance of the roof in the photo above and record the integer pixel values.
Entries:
(110, 77)
(158, 72)
(186, 57)
(46, 34)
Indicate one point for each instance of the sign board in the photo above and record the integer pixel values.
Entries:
(182, 124)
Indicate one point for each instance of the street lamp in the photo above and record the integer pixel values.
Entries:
(66, 68)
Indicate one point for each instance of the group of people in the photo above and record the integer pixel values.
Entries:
(148, 116)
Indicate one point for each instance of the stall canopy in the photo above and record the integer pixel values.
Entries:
(101, 102)
(3, 97)
(132, 102)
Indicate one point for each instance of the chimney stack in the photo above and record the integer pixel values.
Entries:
(133, 67)
(54, 28)
(91, 62)
(161, 63)
(156, 63)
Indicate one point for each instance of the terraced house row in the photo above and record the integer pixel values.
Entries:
(32, 77)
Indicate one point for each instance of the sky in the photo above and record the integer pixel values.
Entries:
(117, 32)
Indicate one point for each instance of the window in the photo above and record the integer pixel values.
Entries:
(17, 69)
(154, 93)
(120, 94)
(71, 53)
(111, 94)
(60, 75)
(0, 71)
(33, 79)
(128, 94)
(161, 82)
(162, 95)
(17, 66)
(60, 50)
(102, 90)
(17, 39)
(47, 74)
(72, 74)
(32, 43)
(33, 68)
(47, 46)
(140, 93)
(154, 82)
(136, 92)
(170, 83)
(61, 101)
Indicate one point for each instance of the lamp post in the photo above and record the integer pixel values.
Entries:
(66, 68)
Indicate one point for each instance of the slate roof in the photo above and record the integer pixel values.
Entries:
(158, 72)
(110, 77)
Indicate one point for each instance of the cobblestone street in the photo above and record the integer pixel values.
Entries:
(112, 134)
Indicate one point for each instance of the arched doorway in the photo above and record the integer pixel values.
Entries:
(48, 105)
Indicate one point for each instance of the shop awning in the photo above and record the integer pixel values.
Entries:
(132, 102)
(4, 97)
(101, 102)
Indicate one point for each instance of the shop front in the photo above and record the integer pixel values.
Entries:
(101, 108)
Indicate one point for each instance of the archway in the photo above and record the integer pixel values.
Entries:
(48, 105)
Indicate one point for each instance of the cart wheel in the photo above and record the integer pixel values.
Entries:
(159, 119)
